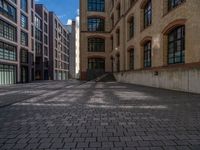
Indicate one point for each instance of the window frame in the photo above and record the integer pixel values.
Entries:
(93, 24)
(96, 5)
(148, 14)
(96, 44)
(147, 54)
(171, 54)
(131, 58)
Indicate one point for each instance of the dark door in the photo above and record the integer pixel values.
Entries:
(46, 75)
(96, 67)
(24, 74)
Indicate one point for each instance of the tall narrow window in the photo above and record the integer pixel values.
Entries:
(24, 5)
(148, 14)
(24, 21)
(112, 44)
(96, 5)
(147, 54)
(176, 45)
(131, 27)
(112, 20)
(119, 11)
(131, 59)
(24, 38)
(24, 56)
(118, 37)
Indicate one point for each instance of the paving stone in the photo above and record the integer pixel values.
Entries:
(115, 117)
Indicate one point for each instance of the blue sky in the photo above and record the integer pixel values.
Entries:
(65, 9)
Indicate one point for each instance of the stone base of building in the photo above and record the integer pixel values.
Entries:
(185, 79)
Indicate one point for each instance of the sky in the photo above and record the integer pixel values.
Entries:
(66, 10)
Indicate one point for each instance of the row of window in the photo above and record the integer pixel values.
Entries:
(9, 32)
(176, 49)
(8, 74)
(96, 5)
(8, 52)
(8, 10)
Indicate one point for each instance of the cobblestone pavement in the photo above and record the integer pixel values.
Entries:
(97, 116)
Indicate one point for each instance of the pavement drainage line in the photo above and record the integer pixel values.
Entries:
(22, 100)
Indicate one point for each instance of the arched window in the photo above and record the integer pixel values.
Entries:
(148, 14)
(147, 54)
(96, 44)
(96, 24)
(176, 45)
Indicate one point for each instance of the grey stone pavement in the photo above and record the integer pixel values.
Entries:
(77, 115)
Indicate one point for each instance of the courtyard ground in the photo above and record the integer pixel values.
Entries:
(77, 115)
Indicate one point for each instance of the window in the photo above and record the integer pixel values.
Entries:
(118, 37)
(24, 5)
(32, 31)
(112, 20)
(96, 5)
(24, 56)
(131, 59)
(8, 52)
(96, 64)
(45, 39)
(32, 16)
(131, 27)
(32, 3)
(45, 16)
(8, 10)
(112, 43)
(8, 74)
(148, 14)
(45, 28)
(118, 63)
(24, 38)
(131, 2)
(176, 45)
(147, 54)
(119, 11)
(174, 3)
(96, 24)
(32, 44)
(38, 48)
(8, 31)
(38, 35)
(24, 21)
(38, 23)
(45, 51)
(96, 45)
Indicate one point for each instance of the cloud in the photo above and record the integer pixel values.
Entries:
(69, 22)
(78, 12)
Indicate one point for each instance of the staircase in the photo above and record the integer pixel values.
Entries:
(108, 77)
